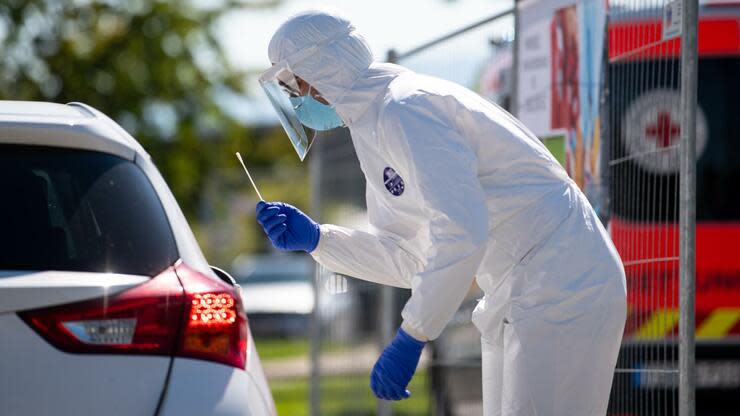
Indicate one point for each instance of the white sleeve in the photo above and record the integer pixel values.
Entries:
(442, 166)
(365, 256)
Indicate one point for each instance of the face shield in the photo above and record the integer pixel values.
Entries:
(280, 86)
(300, 113)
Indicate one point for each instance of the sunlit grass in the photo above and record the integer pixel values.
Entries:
(346, 395)
(281, 348)
(271, 349)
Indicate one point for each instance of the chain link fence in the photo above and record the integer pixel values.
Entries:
(609, 92)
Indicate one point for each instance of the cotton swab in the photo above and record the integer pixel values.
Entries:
(238, 156)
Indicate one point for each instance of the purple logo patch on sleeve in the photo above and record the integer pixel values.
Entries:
(393, 182)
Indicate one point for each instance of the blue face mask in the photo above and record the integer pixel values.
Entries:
(314, 114)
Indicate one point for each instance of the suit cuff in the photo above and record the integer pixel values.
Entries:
(413, 332)
(323, 235)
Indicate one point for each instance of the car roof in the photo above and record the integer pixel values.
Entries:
(73, 125)
(281, 263)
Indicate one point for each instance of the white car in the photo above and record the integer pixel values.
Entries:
(282, 297)
(281, 292)
(107, 305)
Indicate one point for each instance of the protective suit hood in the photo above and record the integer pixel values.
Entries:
(342, 67)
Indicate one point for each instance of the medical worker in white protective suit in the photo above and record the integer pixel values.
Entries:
(457, 189)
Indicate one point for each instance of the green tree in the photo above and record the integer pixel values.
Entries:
(156, 67)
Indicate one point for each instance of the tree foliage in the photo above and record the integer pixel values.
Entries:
(154, 66)
(157, 68)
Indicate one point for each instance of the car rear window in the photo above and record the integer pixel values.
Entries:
(75, 210)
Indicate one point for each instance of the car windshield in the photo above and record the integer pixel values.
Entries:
(74, 210)
(718, 169)
(718, 147)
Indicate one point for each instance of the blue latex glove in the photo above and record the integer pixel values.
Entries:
(288, 228)
(395, 367)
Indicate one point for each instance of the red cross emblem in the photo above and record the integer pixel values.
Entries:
(664, 130)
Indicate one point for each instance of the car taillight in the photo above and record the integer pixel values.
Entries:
(179, 312)
(215, 325)
(141, 320)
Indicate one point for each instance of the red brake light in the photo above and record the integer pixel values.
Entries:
(216, 325)
(212, 309)
(147, 319)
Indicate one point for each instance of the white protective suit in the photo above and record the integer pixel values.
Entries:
(458, 189)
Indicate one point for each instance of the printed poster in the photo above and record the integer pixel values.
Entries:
(560, 65)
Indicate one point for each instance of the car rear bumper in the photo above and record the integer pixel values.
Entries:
(38, 379)
(204, 388)
(201, 388)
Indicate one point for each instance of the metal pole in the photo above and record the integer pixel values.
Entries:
(386, 318)
(514, 101)
(689, 72)
(441, 39)
(315, 170)
(387, 307)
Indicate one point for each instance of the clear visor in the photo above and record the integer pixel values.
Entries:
(280, 85)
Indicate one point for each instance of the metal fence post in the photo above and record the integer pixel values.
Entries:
(386, 318)
(689, 73)
(387, 307)
(315, 170)
(514, 106)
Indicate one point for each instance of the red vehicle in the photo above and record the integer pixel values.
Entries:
(643, 115)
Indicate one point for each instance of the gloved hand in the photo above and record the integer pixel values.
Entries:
(288, 228)
(395, 367)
